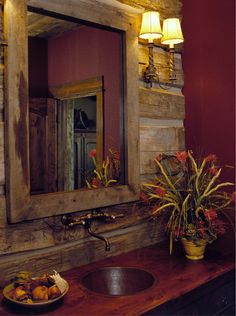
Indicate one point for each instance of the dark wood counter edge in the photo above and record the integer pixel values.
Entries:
(175, 276)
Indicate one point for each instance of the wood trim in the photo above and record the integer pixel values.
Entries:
(99, 13)
(2, 160)
(20, 204)
(17, 112)
(52, 204)
(158, 104)
(99, 122)
(131, 110)
(78, 88)
(84, 88)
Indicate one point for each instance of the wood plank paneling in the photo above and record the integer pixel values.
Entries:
(2, 66)
(3, 220)
(2, 160)
(50, 232)
(160, 104)
(1, 85)
(20, 239)
(146, 121)
(161, 138)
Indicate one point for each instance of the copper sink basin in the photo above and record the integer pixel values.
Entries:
(118, 280)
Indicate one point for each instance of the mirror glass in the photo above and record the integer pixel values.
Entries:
(75, 105)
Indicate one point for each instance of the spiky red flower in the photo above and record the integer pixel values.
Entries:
(92, 153)
(213, 170)
(96, 183)
(178, 232)
(233, 197)
(116, 155)
(210, 214)
(211, 158)
(143, 197)
(159, 191)
(219, 226)
(181, 156)
(159, 157)
(201, 231)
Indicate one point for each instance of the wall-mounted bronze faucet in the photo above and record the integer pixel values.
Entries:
(87, 219)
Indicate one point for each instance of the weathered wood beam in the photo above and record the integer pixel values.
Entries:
(160, 104)
(88, 10)
(161, 138)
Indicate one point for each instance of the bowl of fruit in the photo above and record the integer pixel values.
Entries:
(28, 290)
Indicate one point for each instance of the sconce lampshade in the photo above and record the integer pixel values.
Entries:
(172, 33)
(151, 26)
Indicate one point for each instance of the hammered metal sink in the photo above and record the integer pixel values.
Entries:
(118, 281)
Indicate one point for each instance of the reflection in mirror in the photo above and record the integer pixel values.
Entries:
(83, 141)
(75, 101)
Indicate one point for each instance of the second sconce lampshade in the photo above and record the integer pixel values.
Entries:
(172, 33)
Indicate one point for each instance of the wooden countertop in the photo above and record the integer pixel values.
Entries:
(174, 275)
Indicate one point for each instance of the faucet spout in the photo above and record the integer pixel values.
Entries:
(88, 226)
(86, 221)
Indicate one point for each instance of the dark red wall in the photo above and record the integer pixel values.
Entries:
(38, 67)
(209, 71)
(85, 53)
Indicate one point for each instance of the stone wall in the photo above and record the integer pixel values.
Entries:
(45, 244)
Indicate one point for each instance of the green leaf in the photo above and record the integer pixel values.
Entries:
(171, 243)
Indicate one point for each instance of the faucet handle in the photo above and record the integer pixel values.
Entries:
(71, 221)
(116, 216)
(66, 219)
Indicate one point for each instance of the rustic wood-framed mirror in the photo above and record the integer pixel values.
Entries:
(21, 205)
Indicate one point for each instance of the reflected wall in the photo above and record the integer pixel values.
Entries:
(89, 52)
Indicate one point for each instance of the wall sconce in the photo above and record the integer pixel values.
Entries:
(171, 35)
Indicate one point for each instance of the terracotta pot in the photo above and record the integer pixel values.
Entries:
(194, 250)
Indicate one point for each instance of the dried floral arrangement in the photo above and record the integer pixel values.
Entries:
(189, 190)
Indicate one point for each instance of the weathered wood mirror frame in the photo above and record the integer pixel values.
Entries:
(20, 204)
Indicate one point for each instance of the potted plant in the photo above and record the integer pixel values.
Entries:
(105, 174)
(190, 192)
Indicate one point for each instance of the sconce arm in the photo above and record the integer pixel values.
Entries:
(150, 74)
(172, 75)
